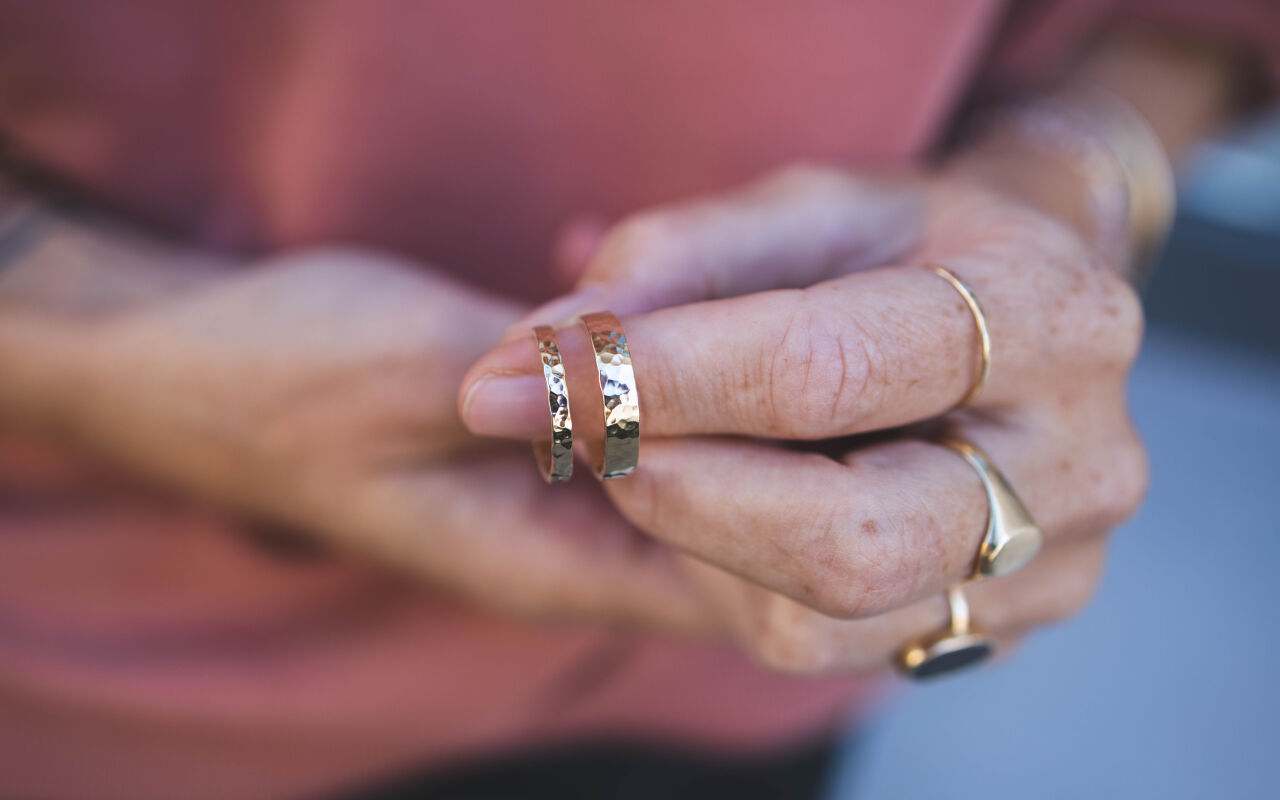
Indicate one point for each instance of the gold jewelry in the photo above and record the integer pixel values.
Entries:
(979, 320)
(616, 457)
(1141, 160)
(555, 457)
(1130, 195)
(1012, 538)
(956, 646)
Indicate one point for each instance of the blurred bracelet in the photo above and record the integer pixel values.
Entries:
(1127, 178)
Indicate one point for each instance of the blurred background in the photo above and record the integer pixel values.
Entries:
(1166, 686)
(1163, 688)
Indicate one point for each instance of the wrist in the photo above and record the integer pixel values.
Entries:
(1085, 156)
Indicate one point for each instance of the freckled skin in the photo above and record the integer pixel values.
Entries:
(795, 311)
(925, 342)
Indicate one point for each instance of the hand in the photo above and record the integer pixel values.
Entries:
(318, 390)
(815, 562)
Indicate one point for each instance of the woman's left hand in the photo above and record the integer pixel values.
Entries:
(765, 318)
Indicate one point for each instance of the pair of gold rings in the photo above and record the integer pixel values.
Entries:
(1010, 541)
(619, 452)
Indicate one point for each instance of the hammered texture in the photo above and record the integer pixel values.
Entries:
(555, 456)
(621, 449)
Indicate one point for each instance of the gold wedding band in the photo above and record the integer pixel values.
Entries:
(555, 457)
(618, 454)
(955, 647)
(979, 320)
(1012, 537)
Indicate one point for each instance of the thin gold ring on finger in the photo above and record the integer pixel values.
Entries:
(979, 321)
(956, 646)
(1012, 537)
(555, 457)
(617, 455)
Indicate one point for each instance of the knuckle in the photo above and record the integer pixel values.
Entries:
(843, 582)
(1103, 486)
(1084, 310)
(1121, 320)
(1127, 477)
(817, 374)
(1097, 316)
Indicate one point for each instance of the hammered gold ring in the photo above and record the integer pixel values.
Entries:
(617, 455)
(555, 457)
(956, 646)
(979, 321)
(1012, 537)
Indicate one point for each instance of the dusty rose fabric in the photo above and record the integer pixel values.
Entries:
(148, 649)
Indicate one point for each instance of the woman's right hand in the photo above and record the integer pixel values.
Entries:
(319, 390)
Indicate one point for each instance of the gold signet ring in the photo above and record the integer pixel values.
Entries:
(1012, 538)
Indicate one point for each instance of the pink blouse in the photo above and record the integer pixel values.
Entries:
(149, 649)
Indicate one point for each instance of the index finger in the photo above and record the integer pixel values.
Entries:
(873, 350)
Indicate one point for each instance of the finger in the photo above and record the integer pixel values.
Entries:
(873, 350)
(1054, 587)
(560, 556)
(1050, 590)
(890, 525)
(790, 637)
(791, 229)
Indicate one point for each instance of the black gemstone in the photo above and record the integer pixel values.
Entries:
(950, 661)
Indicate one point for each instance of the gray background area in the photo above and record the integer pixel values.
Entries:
(1167, 686)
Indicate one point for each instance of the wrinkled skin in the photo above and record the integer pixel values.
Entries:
(330, 390)
(816, 563)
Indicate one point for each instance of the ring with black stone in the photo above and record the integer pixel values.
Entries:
(955, 647)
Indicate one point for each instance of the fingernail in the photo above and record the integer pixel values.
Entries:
(512, 406)
(560, 311)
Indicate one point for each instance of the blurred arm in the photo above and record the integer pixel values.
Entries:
(59, 272)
